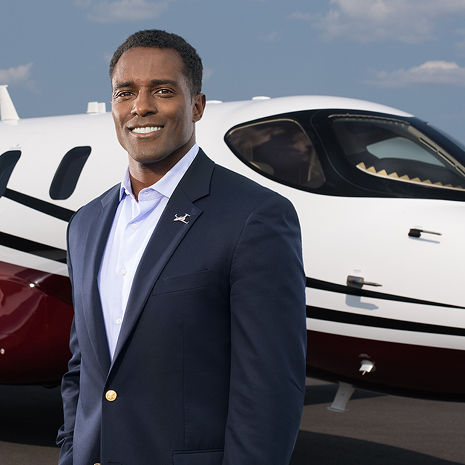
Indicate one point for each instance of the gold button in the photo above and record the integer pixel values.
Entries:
(96, 463)
(110, 395)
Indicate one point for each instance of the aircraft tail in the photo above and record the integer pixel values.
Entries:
(7, 109)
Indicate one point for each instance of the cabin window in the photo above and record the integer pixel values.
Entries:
(279, 149)
(8, 162)
(68, 172)
(396, 150)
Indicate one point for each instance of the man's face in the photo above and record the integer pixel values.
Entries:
(152, 107)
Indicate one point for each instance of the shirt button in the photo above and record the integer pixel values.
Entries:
(123, 271)
(110, 395)
(134, 226)
(119, 321)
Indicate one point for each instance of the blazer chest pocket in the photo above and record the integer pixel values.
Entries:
(182, 283)
(201, 457)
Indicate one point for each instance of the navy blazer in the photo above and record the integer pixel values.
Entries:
(209, 367)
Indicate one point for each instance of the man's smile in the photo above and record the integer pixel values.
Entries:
(146, 129)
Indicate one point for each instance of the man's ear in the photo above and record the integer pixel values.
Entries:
(199, 102)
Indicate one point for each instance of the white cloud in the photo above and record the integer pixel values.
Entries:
(20, 74)
(123, 10)
(411, 21)
(431, 72)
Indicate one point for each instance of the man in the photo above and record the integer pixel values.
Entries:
(188, 342)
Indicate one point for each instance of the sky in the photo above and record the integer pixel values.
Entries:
(408, 54)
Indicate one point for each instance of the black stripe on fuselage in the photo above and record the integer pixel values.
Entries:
(48, 208)
(336, 316)
(34, 248)
(331, 287)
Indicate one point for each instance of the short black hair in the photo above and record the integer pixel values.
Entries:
(156, 38)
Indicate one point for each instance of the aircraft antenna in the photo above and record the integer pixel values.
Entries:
(7, 109)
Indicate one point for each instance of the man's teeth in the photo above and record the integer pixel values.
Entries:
(146, 130)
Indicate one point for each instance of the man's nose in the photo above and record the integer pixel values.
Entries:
(144, 104)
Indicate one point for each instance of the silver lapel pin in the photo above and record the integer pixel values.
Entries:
(181, 218)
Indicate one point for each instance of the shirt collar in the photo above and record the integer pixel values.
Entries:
(168, 183)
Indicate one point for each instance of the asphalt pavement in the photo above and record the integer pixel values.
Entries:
(376, 429)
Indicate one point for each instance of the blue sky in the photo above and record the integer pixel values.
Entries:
(409, 54)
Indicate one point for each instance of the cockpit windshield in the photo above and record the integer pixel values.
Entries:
(352, 153)
(397, 150)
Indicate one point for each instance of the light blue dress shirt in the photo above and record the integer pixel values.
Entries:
(131, 230)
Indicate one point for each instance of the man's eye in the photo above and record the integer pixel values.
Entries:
(123, 94)
(163, 91)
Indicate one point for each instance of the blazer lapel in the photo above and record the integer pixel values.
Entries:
(165, 239)
(99, 229)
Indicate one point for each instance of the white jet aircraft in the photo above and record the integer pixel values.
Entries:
(381, 199)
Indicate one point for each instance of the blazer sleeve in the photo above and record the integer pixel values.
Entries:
(268, 338)
(70, 396)
(69, 387)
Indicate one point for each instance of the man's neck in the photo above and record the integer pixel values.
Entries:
(142, 176)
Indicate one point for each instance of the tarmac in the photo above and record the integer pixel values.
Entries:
(376, 430)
